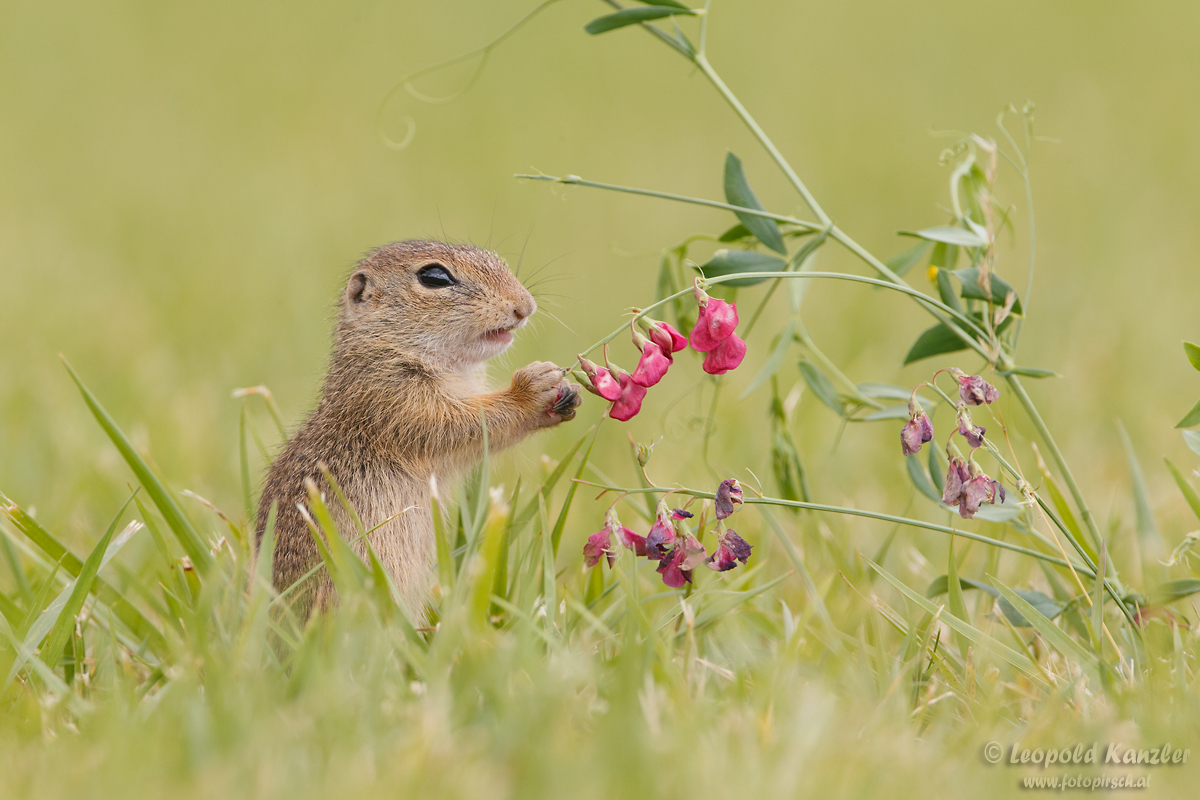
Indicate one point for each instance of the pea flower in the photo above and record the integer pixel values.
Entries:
(731, 549)
(974, 390)
(970, 431)
(956, 478)
(729, 497)
(600, 381)
(917, 431)
(727, 355)
(662, 537)
(676, 567)
(665, 336)
(653, 364)
(629, 403)
(969, 487)
(598, 544)
(713, 334)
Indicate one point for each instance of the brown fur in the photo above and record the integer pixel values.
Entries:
(402, 404)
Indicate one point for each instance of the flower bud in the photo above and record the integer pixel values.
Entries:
(973, 389)
(970, 431)
(665, 336)
(662, 536)
(729, 497)
(917, 431)
(600, 381)
(653, 364)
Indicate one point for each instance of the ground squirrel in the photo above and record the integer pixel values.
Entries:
(402, 402)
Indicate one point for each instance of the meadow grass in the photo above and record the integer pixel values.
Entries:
(864, 649)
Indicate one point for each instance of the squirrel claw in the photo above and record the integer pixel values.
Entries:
(566, 402)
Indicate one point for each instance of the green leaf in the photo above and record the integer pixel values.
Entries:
(1192, 439)
(920, 480)
(1191, 419)
(1149, 539)
(946, 290)
(1170, 591)
(936, 474)
(176, 520)
(1046, 606)
(977, 636)
(739, 193)
(1193, 353)
(884, 391)
(782, 342)
(632, 16)
(1098, 600)
(999, 513)
(941, 583)
(729, 262)
(949, 235)
(566, 506)
(822, 387)
(908, 259)
(1189, 493)
(998, 287)
(958, 605)
(735, 234)
(1056, 636)
(934, 342)
(1032, 372)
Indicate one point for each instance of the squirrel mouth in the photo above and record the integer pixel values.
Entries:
(498, 336)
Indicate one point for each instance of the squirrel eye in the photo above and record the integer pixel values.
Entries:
(435, 276)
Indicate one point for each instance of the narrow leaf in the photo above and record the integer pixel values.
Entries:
(958, 605)
(999, 288)
(908, 259)
(632, 16)
(1189, 493)
(940, 585)
(1191, 419)
(1170, 591)
(822, 387)
(1054, 635)
(774, 361)
(739, 193)
(1192, 439)
(1047, 606)
(920, 480)
(1193, 353)
(949, 235)
(933, 342)
(1098, 600)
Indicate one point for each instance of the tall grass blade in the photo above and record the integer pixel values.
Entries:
(1054, 635)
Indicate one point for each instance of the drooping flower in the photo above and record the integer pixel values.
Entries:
(970, 431)
(731, 549)
(653, 364)
(665, 336)
(662, 537)
(671, 567)
(693, 553)
(716, 322)
(629, 403)
(956, 478)
(598, 544)
(729, 497)
(727, 355)
(633, 541)
(600, 381)
(917, 431)
(974, 390)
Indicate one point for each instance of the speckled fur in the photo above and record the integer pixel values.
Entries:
(401, 404)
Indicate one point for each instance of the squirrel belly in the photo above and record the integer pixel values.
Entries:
(402, 404)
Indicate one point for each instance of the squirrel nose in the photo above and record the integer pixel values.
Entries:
(523, 310)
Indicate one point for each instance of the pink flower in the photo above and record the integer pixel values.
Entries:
(598, 544)
(600, 380)
(671, 567)
(716, 322)
(969, 487)
(665, 336)
(956, 477)
(729, 497)
(630, 401)
(970, 431)
(631, 540)
(653, 364)
(974, 390)
(693, 553)
(661, 538)
(727, 355)
(731, 549)
(917, 431)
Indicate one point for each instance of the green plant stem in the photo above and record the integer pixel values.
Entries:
(575, 180)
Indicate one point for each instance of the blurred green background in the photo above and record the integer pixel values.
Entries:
(183, 188)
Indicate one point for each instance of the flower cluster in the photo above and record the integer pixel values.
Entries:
(712, 335)
(967, 486)
(671, 543)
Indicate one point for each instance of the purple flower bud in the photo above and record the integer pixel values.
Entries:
(662, 537)
(652, 366)
(727, 355)
(917, 431)
(729, 497)
(731, 549)
(956, 478)
(971, 432)
(975, 391)
(598, 544)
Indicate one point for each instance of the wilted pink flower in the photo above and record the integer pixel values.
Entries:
(970, 431)
(653, 364)
(729, 497)
(693, 553)
(731, 549)
(665, 336)
(974, 390)
(917, 431)
(633, 541)
(600, 380)
(672, 568)
(598, 544)
(630, 402)
(727, 355)
(956, 478)
(661, 538)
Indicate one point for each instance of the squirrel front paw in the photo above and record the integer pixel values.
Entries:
(543, 388)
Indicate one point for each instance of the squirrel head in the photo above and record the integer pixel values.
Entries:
(453, 306)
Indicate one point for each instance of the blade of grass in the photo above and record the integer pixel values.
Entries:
(566, 507)
(1054, 635)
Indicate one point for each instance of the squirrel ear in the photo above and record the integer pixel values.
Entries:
(359, 290)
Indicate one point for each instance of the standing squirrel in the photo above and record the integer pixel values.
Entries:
(404, 402)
